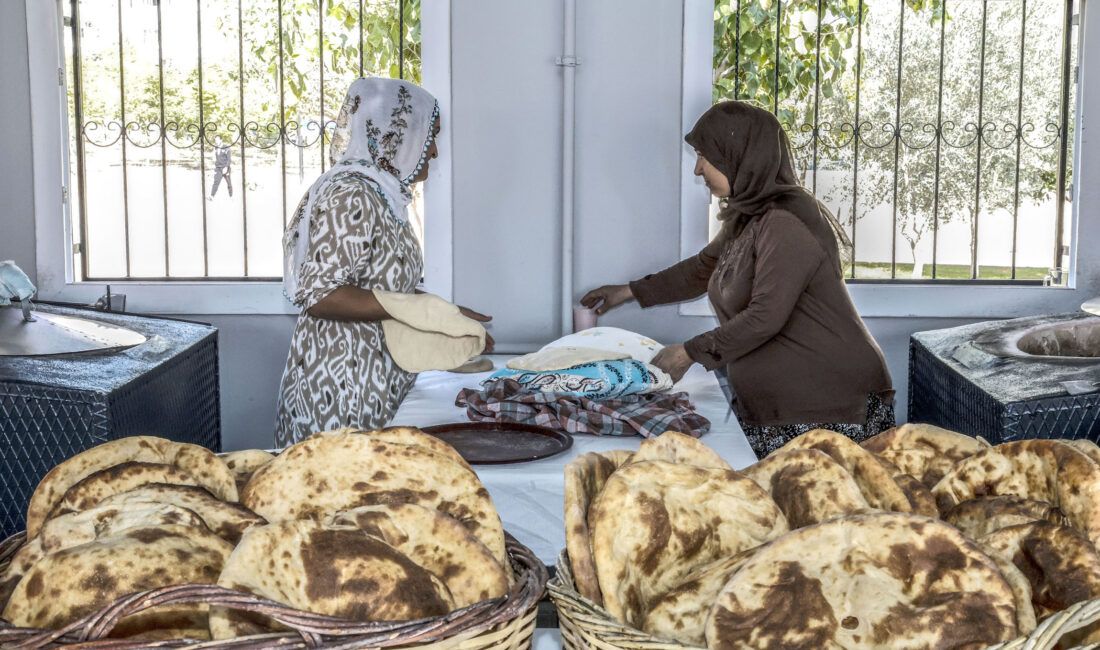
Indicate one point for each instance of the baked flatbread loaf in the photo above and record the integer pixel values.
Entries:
(1026, 619)
(404, 436)
(924, 451)
(873, 479)
(425, 332)
(79, 528)
(979, 517)
(808, 486)
(227, 520)
(681, 613)
(655, 521)
(1087, 447)
(338, 571)
(920, 497)
(321, 476)
(436, 542)
(201, 463)
(585, 476)
(76, 581)
(244, 464)
(96, 487)
(675, 447)
(1044, 470)
(1059, 562)
(884, 580)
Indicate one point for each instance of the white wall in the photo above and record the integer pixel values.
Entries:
(17, 209)
(506, 117)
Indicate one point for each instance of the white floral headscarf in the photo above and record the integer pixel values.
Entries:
(383, 133)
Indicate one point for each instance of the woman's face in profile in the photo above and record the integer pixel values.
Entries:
(432, 154)
(715, 180)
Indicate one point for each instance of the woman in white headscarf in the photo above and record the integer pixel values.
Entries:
(350, 236)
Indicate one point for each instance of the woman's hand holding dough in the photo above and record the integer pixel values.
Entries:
(490, 344)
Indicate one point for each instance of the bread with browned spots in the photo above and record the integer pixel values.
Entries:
(66, 585)
(808, 485)
(655, 521)
(334, 570)
(200, 463)
(585, 477)
(1043, 470)
(883, 580)
(438, 543)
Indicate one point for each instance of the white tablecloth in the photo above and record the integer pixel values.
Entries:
(531, 496)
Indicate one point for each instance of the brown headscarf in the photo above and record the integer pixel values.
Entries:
(749, 146)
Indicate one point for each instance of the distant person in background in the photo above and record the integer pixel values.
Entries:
(797, 353)
(222, 161)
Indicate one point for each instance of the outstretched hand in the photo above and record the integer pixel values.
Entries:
(607, 296)
(490, 344)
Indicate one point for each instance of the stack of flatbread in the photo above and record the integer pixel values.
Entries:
(367, 525)
(918, 538)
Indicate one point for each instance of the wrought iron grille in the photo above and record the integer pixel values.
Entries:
(938, 130)
(172, 102)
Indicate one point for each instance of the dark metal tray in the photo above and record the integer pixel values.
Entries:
(498, 443)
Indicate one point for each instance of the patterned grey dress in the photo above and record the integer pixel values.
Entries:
(339, 373)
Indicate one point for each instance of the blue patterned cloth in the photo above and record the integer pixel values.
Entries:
(595, 381)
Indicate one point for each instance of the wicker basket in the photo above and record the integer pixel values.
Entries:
(504, 623)
(587, 626)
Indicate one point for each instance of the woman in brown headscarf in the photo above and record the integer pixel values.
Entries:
(797, 353)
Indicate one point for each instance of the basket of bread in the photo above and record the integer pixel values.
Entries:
(380, 539)
(918, 538)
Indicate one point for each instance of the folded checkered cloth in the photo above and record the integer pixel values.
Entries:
(646, 415)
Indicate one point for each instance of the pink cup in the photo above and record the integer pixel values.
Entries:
(583, 318)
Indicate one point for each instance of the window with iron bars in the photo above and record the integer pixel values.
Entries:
(195, 126)
(939, 132)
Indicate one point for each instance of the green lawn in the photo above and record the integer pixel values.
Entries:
(874, 270)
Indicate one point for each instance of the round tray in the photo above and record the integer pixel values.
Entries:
(498, 443)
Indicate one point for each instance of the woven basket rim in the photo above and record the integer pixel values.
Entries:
(576, 610)
(308, 629)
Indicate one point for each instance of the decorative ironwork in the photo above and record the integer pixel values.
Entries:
(245, 134)
(859, 135)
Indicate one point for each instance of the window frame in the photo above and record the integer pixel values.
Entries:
(56, 272)
(904, 298)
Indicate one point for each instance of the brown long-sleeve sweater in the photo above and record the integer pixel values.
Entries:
(795, 347)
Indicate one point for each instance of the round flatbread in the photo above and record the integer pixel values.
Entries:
(675, 447)
(1043, 470)
(1087, 447)
(338, 571)
(655, 521)
(874, 480)
(979, 517)
(436, 542)
(78, 528)
(404, 436)
(1059, 562)
(321, 476)
(201, 463)
(681, 613)
(920, 497)
(96, 487)
(245, 463)
(76, 581)
(866, 581)
(1026, 619)
(227, 520)
(808, 486)
(585, 477)
(924, 451)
